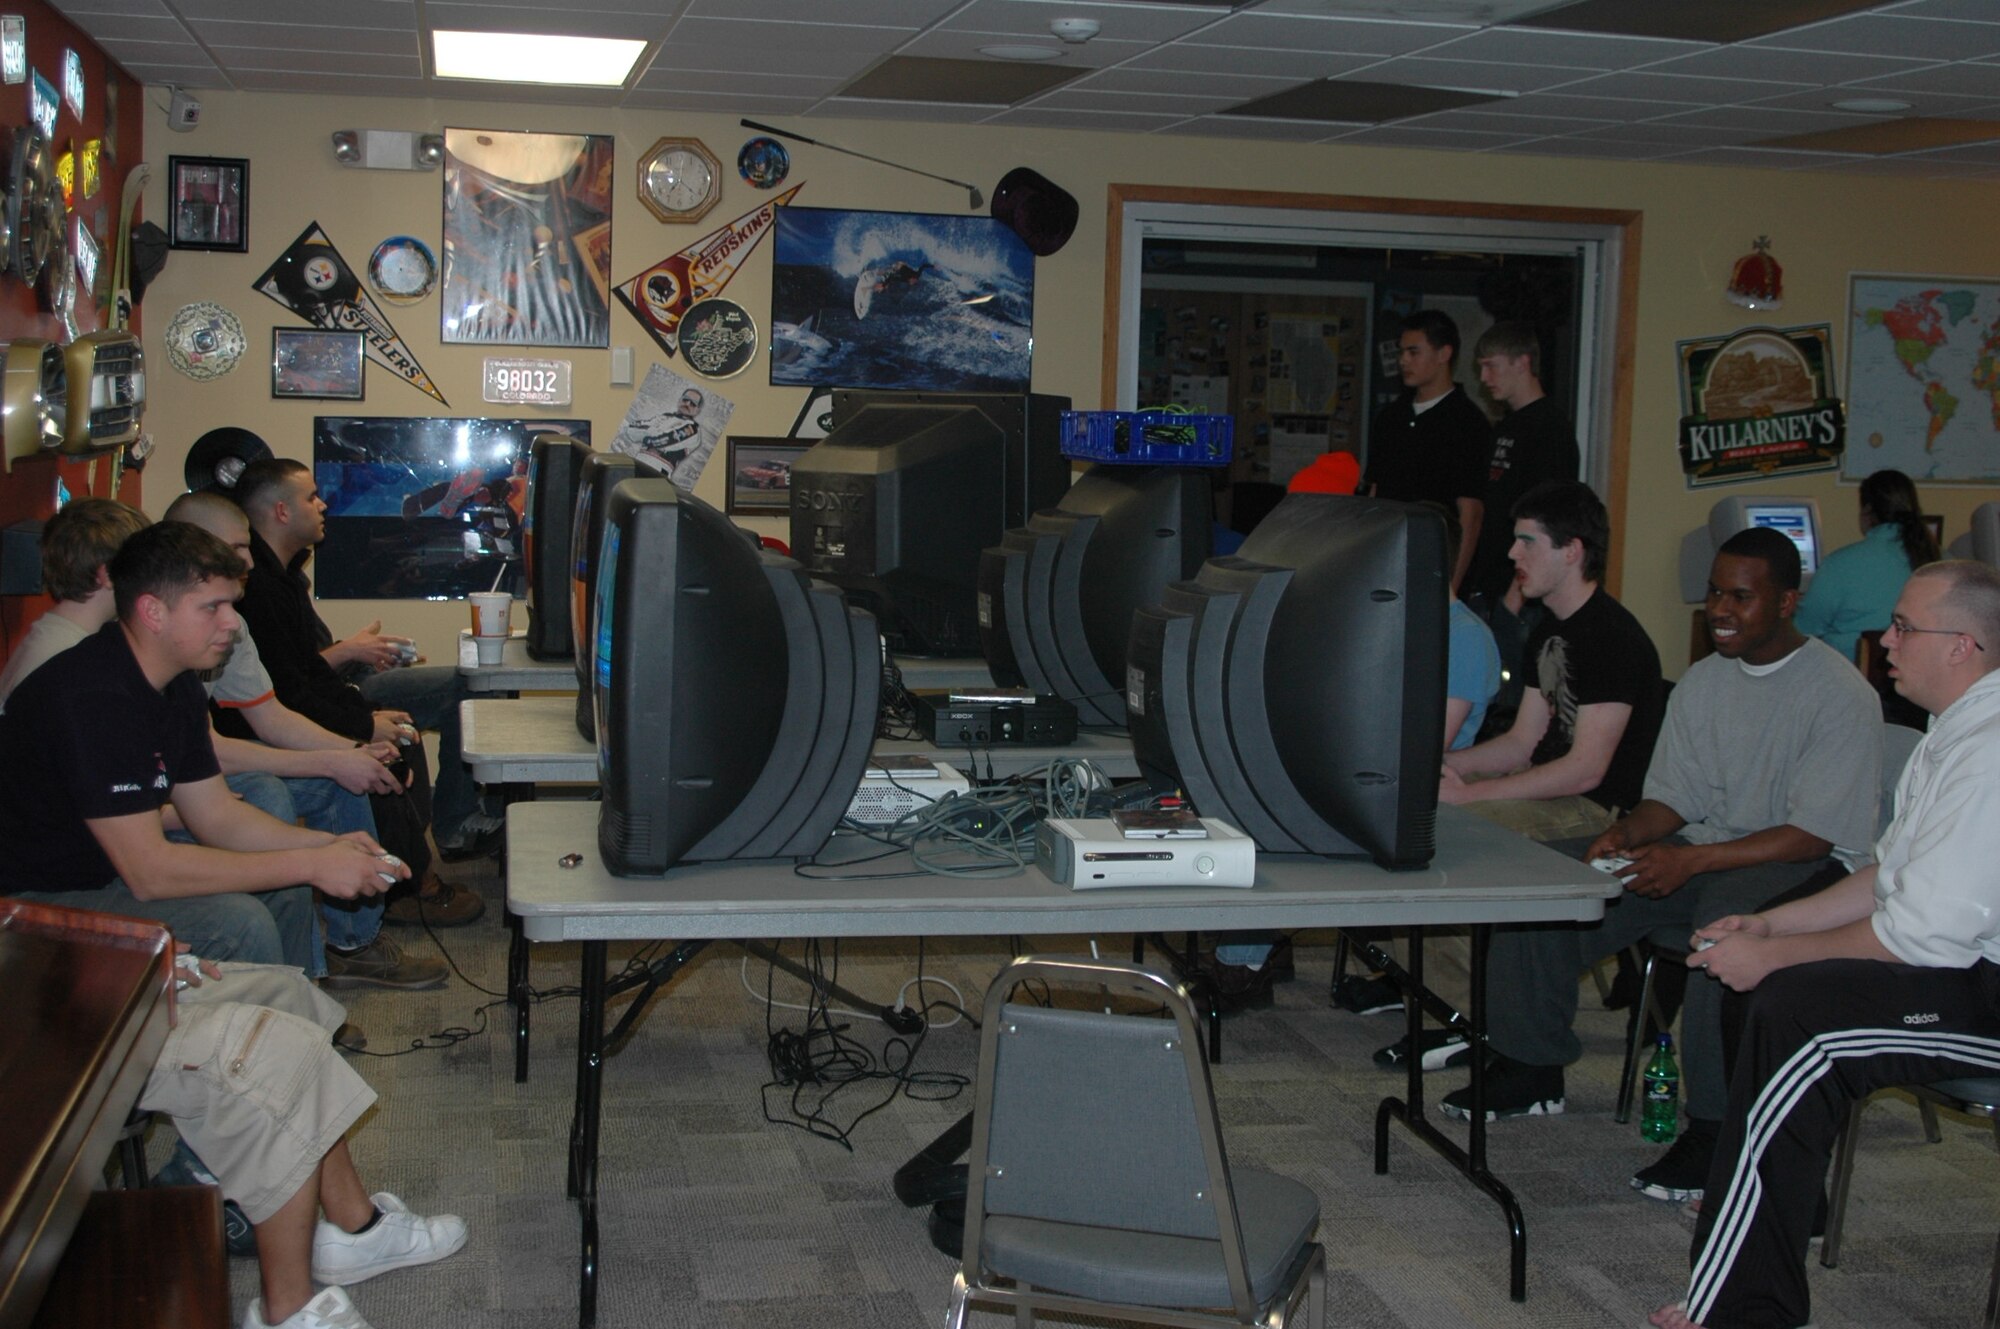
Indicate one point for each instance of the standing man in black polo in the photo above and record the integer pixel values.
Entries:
(1433, 443)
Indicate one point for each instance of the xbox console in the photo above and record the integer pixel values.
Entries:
(1089, 854)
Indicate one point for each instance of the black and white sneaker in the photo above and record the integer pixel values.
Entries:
(1681, 1172)
(1437, 1050)
(1367, 995)
(1512, 1090)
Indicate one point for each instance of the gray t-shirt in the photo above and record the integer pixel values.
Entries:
(51, 635)
(1800, 745)
(242, 681)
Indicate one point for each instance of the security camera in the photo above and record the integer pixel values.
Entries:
(183, 111)
(1075, 30)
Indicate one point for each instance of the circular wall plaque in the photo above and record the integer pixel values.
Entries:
(763, 163)
(402, 270)
(718, 337)
(204, 341)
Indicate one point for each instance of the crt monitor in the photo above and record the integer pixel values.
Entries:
(1296, 689)
(735, 698)
(1034, 473)
(1982, 538)
(1056, 597)
(555, 466)
(1795, 518)
(602, 472)
(894, 506)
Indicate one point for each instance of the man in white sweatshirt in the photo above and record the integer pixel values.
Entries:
(1889, 976)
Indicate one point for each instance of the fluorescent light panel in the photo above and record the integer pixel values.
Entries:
(525, 57)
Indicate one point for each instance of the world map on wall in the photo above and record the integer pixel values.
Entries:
(1923, 378)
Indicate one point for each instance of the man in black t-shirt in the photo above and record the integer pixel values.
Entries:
(1432, 445)
(1576, 754)
(1533, 442)
(92, 751)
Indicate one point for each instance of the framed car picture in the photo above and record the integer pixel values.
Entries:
(313, 362)
(760, 474)
(208, 203)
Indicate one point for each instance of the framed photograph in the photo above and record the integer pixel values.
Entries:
(208, 203)
(760, 474)
(900, 300)
(313, 362)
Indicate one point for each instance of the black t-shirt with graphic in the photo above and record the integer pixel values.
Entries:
(91, 738)
(1598, 655)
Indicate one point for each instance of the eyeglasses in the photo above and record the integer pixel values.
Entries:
(1902, 627)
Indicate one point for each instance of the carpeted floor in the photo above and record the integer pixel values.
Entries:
(713, 1216)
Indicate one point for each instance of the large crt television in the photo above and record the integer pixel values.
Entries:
(555, 466)
(735, 697)
(895, 504)
(1295, 689)
(1056, 597)
(1797, 519)
(602, 472)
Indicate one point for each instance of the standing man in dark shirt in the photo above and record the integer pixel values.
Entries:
(91, 751)
(1533, 442)
(1576, 754)
(1433, 443)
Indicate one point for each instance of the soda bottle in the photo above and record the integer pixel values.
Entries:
(1661, 1121)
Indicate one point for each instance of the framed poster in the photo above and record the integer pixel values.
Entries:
(900, 300)
(313, 362)
(527, 238)
(423, 508)
(760, 474)
(208, 204)
(1922, 395)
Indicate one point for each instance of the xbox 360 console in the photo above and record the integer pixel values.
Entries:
(1091, 853)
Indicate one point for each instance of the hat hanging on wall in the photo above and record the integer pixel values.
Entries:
(149, 255)
(1757, 282)
(1035, 208)
(217, 459)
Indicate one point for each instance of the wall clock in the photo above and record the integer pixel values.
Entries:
(679, 179)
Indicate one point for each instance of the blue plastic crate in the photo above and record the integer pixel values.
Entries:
(1148, 438)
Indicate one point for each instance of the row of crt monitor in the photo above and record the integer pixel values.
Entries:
(1295, 689)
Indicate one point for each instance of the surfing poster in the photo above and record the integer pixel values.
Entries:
(900, 300)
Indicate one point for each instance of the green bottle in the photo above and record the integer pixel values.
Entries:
(1662, 1118)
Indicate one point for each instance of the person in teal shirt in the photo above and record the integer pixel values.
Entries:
(1856, 587)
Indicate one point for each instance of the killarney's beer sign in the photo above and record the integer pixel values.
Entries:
(1757, 403)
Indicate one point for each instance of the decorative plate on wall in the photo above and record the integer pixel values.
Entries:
(204, 341)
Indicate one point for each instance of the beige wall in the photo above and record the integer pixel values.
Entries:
(1697, 221)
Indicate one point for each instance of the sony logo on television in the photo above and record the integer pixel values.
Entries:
(826, 500)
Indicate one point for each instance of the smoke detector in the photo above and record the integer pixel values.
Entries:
(1075, 30)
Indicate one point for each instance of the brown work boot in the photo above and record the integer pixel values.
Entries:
(439, 903)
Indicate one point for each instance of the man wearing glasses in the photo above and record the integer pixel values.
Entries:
(1889, 976)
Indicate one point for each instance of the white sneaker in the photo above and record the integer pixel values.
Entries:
(398, 1240)
(329, 1310)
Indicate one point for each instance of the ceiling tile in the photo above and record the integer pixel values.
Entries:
(1921, 103)
(1786, 66)
(1562, 103)
(1659, 131)
(965, 46)
(1133, 79)
(1571, 50)
(75, 10)
(537, 21)
(842, 65)
(1347, 36)
(907, 14)
(973, 82)
(301, 37)
(1768, 120)
(1960, 80)
(1291, 65)
(1125, 23)
(359, 13)
(1430, 73)
(732, 104)
(1979, 10)
(264, 59)
(1583, 147)
(1693, 20)
(1098, 120)
(349, 85)
(1648, 86)
(753, 37)
(1355, 100)
(760, 85)
(1924, 38)
(860, 108)
(1443, 140)
(1438, 11)
(148, 28)
(1760, 158)
(1178, 104)
(1504, 122)
(1213, 126)
(1983, 153)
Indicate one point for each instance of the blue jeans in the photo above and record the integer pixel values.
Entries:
(431, 694)
(325, 806)
(297, 940)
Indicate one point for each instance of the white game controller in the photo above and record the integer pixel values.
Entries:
(190, 962)
(406, 734)
(1703, 943)
(393, 862)
(1612, 863)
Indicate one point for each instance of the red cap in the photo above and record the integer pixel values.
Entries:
(1329, 473)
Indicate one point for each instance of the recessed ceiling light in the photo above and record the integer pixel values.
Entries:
(524, 57)
(1022, 52)
(1871, 105)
